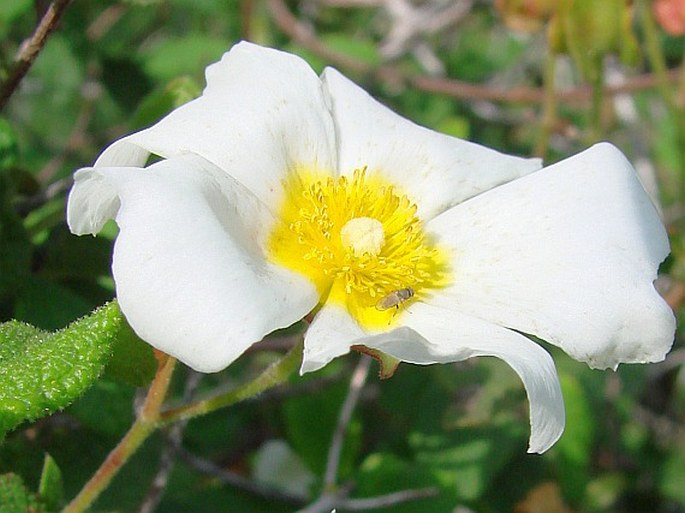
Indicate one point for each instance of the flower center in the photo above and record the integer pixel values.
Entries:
(363, 235)
(359, 241)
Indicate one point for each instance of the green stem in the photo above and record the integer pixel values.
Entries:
(274, 375)
(654, 54)
(141, 429)
(658, 64)
(596, 129)
(549, 108)
(150, 418)
(680, 96)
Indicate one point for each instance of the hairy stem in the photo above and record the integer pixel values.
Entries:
(274, 375)
(141, 429)
(151, 419)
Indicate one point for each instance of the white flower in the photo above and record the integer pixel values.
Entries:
(280, 193)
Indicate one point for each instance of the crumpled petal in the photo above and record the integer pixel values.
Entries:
(190, 274)
(435, 335)
(436, 170)
(568, 254)
(262, 113)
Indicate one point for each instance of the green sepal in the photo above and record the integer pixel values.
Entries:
(16, 498)
(387, 364)
(42, 372)
(133, 361)
(51, 488)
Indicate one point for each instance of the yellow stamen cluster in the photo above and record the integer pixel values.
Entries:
(358, 239)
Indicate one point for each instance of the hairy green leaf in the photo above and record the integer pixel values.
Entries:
(15, 498)
(42, 372)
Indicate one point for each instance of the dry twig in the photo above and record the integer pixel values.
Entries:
(31, 48)
(334, 496)
(304, 36)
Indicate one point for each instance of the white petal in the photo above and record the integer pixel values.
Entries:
(262, 113)
(441, 336)
(435, 335)
(568, 254)
(331, 334)
(189, 270)
(93, 201)
(436, 170)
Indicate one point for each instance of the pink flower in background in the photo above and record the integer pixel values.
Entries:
(671, 15)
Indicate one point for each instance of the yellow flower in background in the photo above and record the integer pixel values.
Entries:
(281, 194)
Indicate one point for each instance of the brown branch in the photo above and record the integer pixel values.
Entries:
(31, 48)
(304, 36)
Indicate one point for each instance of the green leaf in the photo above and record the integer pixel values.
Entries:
(160, 102)
(574, 448)
(384, 473)
(672, 472)
(51, 489)
(47, 304)
(105, 408)
(9, 150)
(15, 247)
(310, 435)
(352, 46)
(15, 498)
(43, 372)
(186, 55)
(468, 460)
(133, 360)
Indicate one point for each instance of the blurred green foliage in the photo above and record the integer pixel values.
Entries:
(113, 67)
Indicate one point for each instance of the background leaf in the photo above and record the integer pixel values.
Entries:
(51, 488)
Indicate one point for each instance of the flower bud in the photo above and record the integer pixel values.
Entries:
(525, 15)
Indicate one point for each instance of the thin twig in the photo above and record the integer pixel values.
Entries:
(232, 479)
(332, 494)
(383, 501)
(76, 136)
(167, 459)
(356, 384)
(31, 48)
(91, 92)
(323, 504)
(412, 24)
(393, 75)
(331, 502)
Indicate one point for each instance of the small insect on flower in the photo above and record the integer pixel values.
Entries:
(395, 298)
